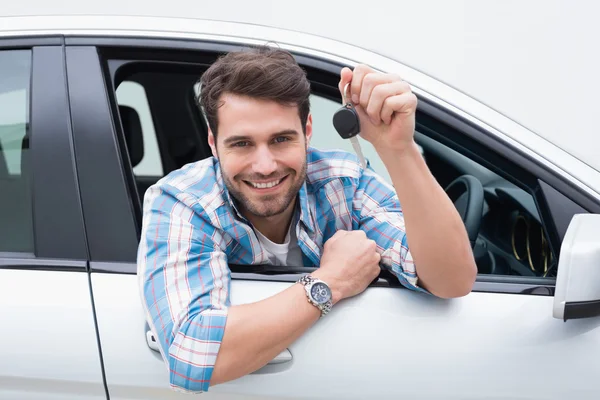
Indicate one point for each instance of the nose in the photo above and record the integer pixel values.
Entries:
(264, 162)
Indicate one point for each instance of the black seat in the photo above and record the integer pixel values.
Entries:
(16, 214)
(134, 137)
(3, 166)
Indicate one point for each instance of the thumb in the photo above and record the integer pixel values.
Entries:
(345, 77)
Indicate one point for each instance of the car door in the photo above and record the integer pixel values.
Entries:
(48, 342)
(500, 341)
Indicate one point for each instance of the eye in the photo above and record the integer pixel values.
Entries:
(281, 139)
(241, 143)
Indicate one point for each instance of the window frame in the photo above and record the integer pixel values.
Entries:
(52, 175)
(180, 50)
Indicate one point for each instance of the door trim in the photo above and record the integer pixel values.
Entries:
(485, 283)
(41, 264)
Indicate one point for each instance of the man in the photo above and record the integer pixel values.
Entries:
(267, 197)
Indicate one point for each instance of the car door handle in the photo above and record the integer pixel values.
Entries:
(283, 357)
(151, 340)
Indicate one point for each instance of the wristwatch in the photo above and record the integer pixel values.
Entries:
(317, 292)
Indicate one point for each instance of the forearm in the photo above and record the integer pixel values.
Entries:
(435, 232)
(256, 333)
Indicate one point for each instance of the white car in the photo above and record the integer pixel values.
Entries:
(95, 108)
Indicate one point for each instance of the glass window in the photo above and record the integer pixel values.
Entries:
(148, 163)
(16, 227)
(325, 136)
(511, 240)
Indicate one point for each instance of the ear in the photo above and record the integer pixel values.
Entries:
(309, 130)
(212, 143)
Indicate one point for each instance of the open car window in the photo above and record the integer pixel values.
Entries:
(512, 240)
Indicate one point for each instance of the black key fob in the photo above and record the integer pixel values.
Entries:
(346, 121)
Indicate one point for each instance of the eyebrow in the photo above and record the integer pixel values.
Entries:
(238, 138)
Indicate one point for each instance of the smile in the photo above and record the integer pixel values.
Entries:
(265, 185)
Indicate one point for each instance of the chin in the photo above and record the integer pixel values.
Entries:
(260, 210)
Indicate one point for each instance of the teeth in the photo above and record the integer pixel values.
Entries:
(265, 185)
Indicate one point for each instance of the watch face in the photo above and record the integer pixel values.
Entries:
(320, 293)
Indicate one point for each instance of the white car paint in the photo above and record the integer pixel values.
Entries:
(578, 262)
(578, 170)
(48, 348)
(482, 346)
(386, 343)
(532, 61)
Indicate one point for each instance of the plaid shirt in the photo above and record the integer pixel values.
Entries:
(192, 229)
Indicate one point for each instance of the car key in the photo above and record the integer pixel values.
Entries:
(347, 124)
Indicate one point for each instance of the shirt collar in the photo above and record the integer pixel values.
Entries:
(226, 193)
(305, 214)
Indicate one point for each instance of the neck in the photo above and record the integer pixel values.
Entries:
(274, 228)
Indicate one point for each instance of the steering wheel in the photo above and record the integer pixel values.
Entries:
(466, 192)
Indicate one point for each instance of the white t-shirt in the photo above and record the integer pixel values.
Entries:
(287, 254)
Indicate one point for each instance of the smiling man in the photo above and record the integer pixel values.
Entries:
(267, 197)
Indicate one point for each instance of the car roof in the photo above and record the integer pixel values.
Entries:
(533, 62)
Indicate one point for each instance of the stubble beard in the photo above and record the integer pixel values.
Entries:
(271, 205)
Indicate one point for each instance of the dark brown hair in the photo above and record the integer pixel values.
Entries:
(260, 72)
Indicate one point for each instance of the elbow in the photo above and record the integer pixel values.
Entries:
(189, 379)
(464, 282)
(458, 290)
(192, 352)
(461, 284)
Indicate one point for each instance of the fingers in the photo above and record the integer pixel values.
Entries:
(371, 82)
(358, 76)
(338, 234)
(405, 103)
(379, 95)
(377, 258)
(375, 269)
(345, 77)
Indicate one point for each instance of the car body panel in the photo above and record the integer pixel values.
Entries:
(582, 170)
(48, 338)
(133, 370)
(49, 345)
(529, 61)
(384, 343)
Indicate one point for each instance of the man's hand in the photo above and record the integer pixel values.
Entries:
(349, 263)
(438, 240)
(386, 107)
(255, 333)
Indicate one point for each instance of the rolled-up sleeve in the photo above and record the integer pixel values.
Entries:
(380, 215)
(184, 283)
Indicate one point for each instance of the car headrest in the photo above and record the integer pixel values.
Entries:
(25, 153)
(3, 166)
(133, 134)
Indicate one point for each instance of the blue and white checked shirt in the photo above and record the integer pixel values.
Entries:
(191, 230)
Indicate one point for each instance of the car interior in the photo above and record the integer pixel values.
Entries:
(16, 233)
(496, 201)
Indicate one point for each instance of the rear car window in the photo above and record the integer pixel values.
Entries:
(16, 227)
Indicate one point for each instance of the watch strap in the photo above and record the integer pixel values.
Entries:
(306, 281)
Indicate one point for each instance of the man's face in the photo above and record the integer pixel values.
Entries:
(262, 151)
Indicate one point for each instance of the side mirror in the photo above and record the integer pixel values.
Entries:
(577, 293)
